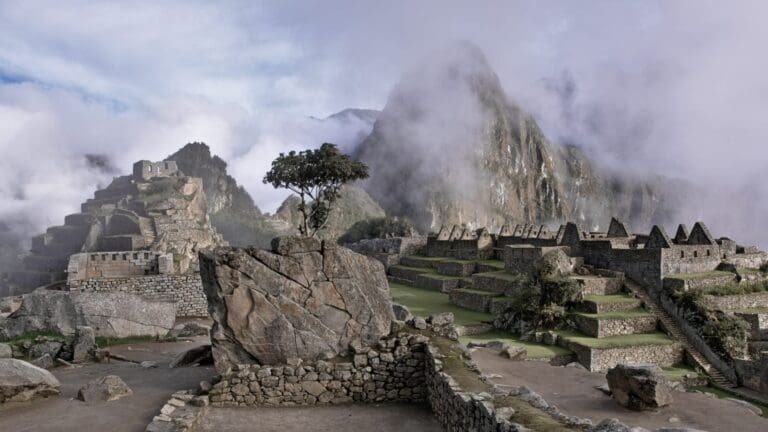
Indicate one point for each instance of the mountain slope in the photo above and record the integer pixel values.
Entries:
(451, 147)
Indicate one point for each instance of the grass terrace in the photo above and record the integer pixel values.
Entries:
(618, 315)
(535, 350)
(492, 263)
(677, 373)
(512, 277)
(424, 302)
(610, 298)
(736, 288)
(622, 341)
(700, 275)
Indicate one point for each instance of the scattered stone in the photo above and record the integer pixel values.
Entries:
(611, 425)
(189, 329)
(441, 319)
(204, 387)
(105, 389)
(5, 351)
(514, 352)
(49, 348)
(84, 344)
(44, 361)
(21, 382)
(401, 312)
(197, 356)
(419, 323)
(575, 365)
(492, 345)
(147, 364)
(674, 419)
(604, 388)
(639, 386)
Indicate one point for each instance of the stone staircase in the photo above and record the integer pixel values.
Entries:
(147, 227)
(673, 328)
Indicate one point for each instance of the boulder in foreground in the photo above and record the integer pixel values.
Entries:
(305, 299)
(105, 389)
(21, 382)
(639, 386)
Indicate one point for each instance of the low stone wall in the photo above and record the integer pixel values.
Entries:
(601, 359)
(185, 290)
(456, 268)
(436, 284)
(739, 301)
(479, 301)
(389, 250)
(601, 328)
(679, 284)
(758, 324)
(394, 371)
(490, 283)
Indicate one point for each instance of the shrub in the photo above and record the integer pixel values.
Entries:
(725, 334)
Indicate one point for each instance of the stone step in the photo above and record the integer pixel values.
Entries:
(609, 324)
(409, 273)
(456, 267)
(475, 300)
(599, 285)
(419, 261)
(598, 355)
(499, 282)
(436, 282)
(608, 303)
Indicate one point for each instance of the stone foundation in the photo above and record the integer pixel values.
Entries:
(479, 301)
(394, 371)
(185, 290)
(456, 268)
(600, 328)
(601, 359)
(740, 301)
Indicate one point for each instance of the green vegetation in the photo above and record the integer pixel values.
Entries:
(492, 263)
(315, 175)
(725, 334)
(504, 275)
(735, 288)
(160, 189)
(618, 315)
(415, 269)
(426, 258)
(622, 341)
(427, 302)
(378, 228)
(479, 292)
(535, 350)
(677, 373)
(32, 336)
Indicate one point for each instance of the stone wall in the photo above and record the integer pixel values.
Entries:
(393, 371)
(118, 264)
(389, 250)
(145, 170)
(683, 284)
(601, 328)
(690, 259)
(599, 359)
(739, 301)
(749, 260)
(185, 290)
(642, 265)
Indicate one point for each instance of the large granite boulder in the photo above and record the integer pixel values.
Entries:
(305, 299)
(639, 386)
(21, 381)
(108, 314)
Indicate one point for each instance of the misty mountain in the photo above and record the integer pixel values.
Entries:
(451, 147)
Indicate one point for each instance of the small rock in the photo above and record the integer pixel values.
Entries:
(84, 345)
(420, 323)
(147, 364)
(197, 356)
(5, 351)
(44, 361)
(514, 352)
(639, 386)
(604, 388)
(167, 409)
(108, 388)
(673, 419)
(575, 365)
(441, 319)
(402, 313)
(204, 387)
(611, 425)
(50, 348)
(505, 412)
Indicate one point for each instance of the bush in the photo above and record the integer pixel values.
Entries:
(736, 288)
(378, 228)
(538, 303)
(725, 334)
(764, 268)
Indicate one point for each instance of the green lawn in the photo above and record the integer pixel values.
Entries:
(535, 350)
(416, 269)
(676, 373)
(426, 258)
(423, 302)
(479, 292)
(610, 298)
(492, 263)
(618, 315)
(621, 341)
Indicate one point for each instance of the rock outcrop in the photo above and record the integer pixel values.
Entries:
(108, 314)
(639, 386)
(304, 299)
(21, 382)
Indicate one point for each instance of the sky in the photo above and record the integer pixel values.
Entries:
(671, 87)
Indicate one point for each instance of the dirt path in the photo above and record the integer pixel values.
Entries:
(345, 418)
(151, 389)
(573, 391)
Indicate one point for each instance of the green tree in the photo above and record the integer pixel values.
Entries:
(316, 176)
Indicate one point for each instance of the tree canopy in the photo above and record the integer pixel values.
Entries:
(316, 176)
